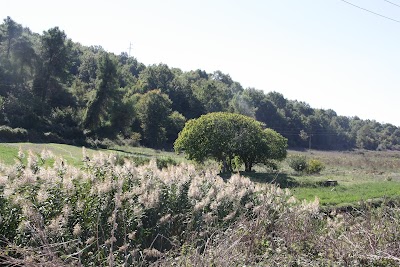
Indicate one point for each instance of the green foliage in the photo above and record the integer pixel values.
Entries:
(222, 136)
(314, 166)
(99, 107)
(165, 162)
(297, 162)
(12, 134)
(45, 77)
(53, 64)
(153, 110)
(176, 122)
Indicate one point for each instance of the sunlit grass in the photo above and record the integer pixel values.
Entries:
(8, 154)
(349, 194)
(73, 154)
(361, 175)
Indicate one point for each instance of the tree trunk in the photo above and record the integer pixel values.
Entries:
(224, 166)
(248, 166)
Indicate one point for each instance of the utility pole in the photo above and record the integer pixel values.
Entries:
(129, 49)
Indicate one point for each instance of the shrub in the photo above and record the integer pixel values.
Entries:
(165, 162)
(131, 140)
(314, 166)
(297, 162)
(8, 134)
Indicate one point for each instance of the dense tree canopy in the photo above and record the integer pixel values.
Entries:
(58, 90)
(223, 136)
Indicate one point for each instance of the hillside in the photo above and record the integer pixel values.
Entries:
(53, 89)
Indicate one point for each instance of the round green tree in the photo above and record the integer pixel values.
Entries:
(222, 136)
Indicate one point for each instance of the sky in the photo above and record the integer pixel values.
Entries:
(327, 53)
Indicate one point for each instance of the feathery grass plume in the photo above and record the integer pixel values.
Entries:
(182, 216)
(32, 162)
(3, 180)
(77, 230)
(21, 153)
(46, 154)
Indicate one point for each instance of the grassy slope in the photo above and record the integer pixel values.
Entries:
(73, 154)
(361, 175)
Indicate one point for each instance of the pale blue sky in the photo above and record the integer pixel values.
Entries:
(324, 52)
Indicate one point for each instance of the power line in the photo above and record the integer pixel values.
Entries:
(377, 14)
(392, 3)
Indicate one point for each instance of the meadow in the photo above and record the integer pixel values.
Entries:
(361, 176)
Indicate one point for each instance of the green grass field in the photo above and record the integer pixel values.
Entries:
(362, 175)
(73, 154)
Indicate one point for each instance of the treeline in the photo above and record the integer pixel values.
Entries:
(55, 90)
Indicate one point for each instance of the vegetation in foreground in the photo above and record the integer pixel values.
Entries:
(361, 175)
(111, 213)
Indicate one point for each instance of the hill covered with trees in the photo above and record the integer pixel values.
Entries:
(55, 90)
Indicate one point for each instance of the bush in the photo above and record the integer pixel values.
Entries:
(297, 162)
(165, 162)
(314, 166)
(8, 134)
(100, 143)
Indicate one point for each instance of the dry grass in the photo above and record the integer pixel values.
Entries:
(114, 214)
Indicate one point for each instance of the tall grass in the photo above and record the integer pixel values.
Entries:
(108, 213)
(114, 213)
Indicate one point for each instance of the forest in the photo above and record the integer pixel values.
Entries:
(53, 89)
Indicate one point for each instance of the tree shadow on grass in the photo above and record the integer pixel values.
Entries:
(281, 179)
